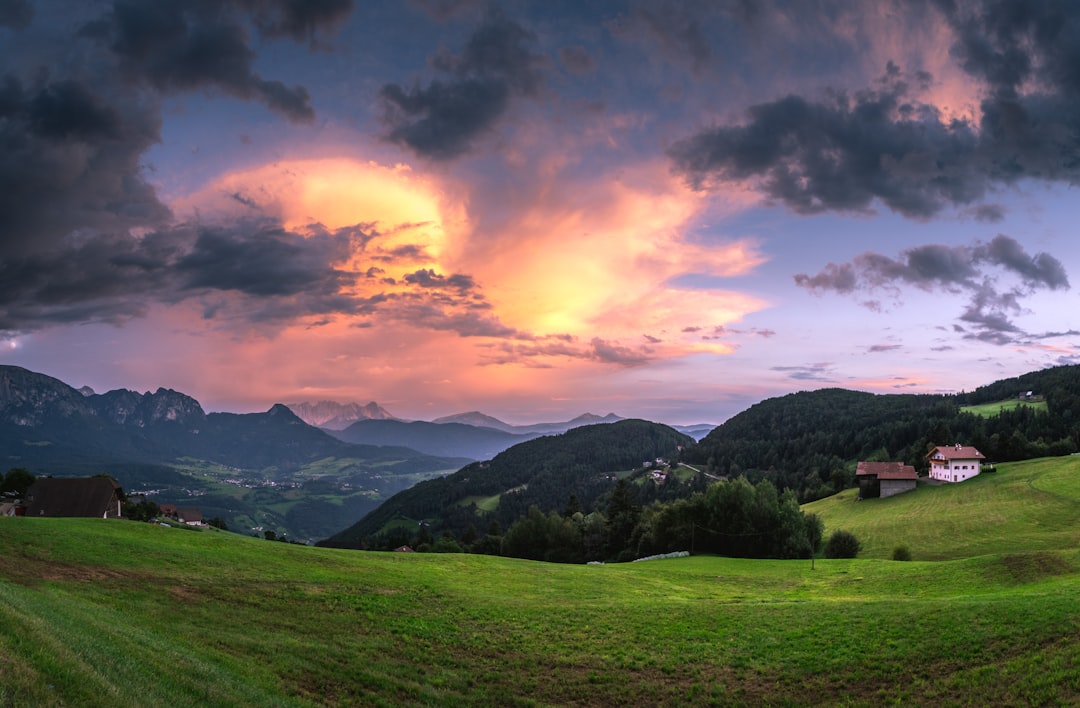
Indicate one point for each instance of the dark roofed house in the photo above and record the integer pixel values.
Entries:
(884, 479)
(191, 517)
(74, 496)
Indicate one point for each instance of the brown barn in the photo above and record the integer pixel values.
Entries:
(74, 496)
(884, 479)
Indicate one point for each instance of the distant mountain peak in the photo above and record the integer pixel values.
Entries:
(282, 411)
(591, 418)
(476, 418)
(338, 416)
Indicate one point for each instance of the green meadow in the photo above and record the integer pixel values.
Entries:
(96, 612)
(1024, 506)
(987, 410)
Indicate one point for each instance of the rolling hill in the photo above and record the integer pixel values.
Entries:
(582, 462)
(96, 612)
(1026, 506)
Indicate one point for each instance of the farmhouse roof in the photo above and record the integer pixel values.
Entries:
(72, 496)
(956, 452)
(886, 470)
(189, 516)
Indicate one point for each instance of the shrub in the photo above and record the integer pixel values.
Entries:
(901, 553)
(842, 544)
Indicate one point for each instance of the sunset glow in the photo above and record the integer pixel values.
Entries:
(538, 210)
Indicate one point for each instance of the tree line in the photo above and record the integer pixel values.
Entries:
(729, 517)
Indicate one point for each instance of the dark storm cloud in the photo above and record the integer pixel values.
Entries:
(841, 155)
(954, 269)
(185, 46)
(442, 120)
(267, 262)
(69, 161)
(299, 19)
(112, 278)
(846, 152)
(16, 14)
(75, 123)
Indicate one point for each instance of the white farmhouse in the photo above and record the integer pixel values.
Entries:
(954, 463)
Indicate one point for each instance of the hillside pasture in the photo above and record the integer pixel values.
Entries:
(1032, 505)
(96, 612)
(988, 410)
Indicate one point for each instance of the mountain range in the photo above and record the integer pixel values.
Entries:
(272, 470)
(473, 434)
(254, 470)
(331, 415)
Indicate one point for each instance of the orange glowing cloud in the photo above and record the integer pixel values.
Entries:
(595, 260)
(579, 274)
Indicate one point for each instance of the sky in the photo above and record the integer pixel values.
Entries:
(665, 209)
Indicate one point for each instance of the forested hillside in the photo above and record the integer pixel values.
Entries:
(545, 472)
(810, 441)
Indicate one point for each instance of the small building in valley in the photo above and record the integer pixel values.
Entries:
(885, 479)
(954, 463)
(74, 496)
(191, 517)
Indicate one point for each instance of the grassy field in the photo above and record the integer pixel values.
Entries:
(96, 612)
(1024, 506)
(987, 410)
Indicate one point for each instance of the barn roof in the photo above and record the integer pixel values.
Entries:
(72, 496)
(886, 470)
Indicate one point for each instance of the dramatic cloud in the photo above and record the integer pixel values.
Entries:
(959, 269)
(183, 46)
(73, 189)
(893, 145)
(442, 120)
(842, 154)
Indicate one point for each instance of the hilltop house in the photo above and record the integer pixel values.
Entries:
(885, 479)
(954, 463)
(74, 496)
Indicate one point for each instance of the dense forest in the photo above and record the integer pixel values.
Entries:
(809, 442)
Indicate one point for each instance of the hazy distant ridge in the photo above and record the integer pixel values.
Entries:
(338, 416)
